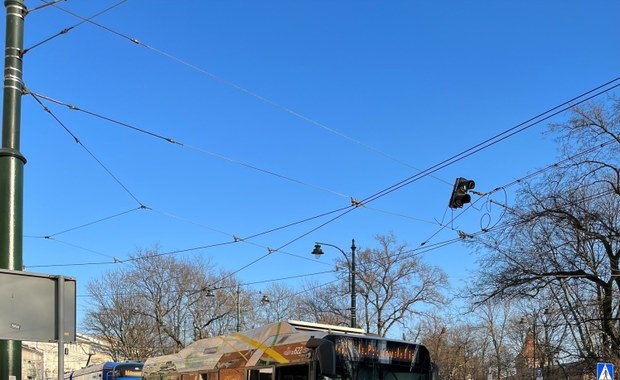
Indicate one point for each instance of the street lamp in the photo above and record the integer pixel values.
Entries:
(317, 251)
(265, 300)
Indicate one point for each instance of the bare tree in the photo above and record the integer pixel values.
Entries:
(431, 331)
(117, 319)
(563, 236)
(156, 305)
(213, 307)
(278, 303)
(459, 350)
(166, 284)
(495, 323)
(392, 282)
(325, 303)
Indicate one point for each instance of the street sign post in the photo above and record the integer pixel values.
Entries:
(539, 374)
(36, 307)
(605, 371)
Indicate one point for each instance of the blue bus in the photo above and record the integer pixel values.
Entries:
(108, 371)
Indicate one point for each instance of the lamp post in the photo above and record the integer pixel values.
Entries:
(238, 309)
(317, 251)
(264, 301)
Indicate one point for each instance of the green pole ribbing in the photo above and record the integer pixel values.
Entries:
(12, 170)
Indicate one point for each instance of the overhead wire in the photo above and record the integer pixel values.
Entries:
(182, 144)
(45, 5)
(350, 208)
(245, 240)
(487, 143)
(492, 141)
(367, 200)
(79, 247)
(395, 187)
(568, 159)
(420, 250)
(409, 180)
(37, 97)
(290, 242)
(497, 226)
(146, 132)
(408, 253)
(347, 210)
(66, 30)
(92, 222)
(536, 173)
(131, 259)
(287, 278)
(118, 181)
(499, 137)
(202, 289)
(478, 147)
(303, 117)
(400, 215)
(242, 89)
(424, 248)
(503, 187)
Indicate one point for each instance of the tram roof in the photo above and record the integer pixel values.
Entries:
(279, 342)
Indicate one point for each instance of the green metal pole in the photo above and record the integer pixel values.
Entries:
(12, 170)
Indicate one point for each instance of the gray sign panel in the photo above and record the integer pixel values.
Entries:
(29, 307)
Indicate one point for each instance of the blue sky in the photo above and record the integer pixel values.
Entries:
(283, 111)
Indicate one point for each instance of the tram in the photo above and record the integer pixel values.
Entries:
(108, 371)
(295, 350)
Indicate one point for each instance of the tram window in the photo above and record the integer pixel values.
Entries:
(292, 372)
(209, 376)
(260, 374)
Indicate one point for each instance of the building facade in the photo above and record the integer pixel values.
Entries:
(40, 359)
(535, 363)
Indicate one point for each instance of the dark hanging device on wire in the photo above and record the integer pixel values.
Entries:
(459, 193)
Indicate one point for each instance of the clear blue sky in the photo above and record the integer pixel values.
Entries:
(285, 110)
